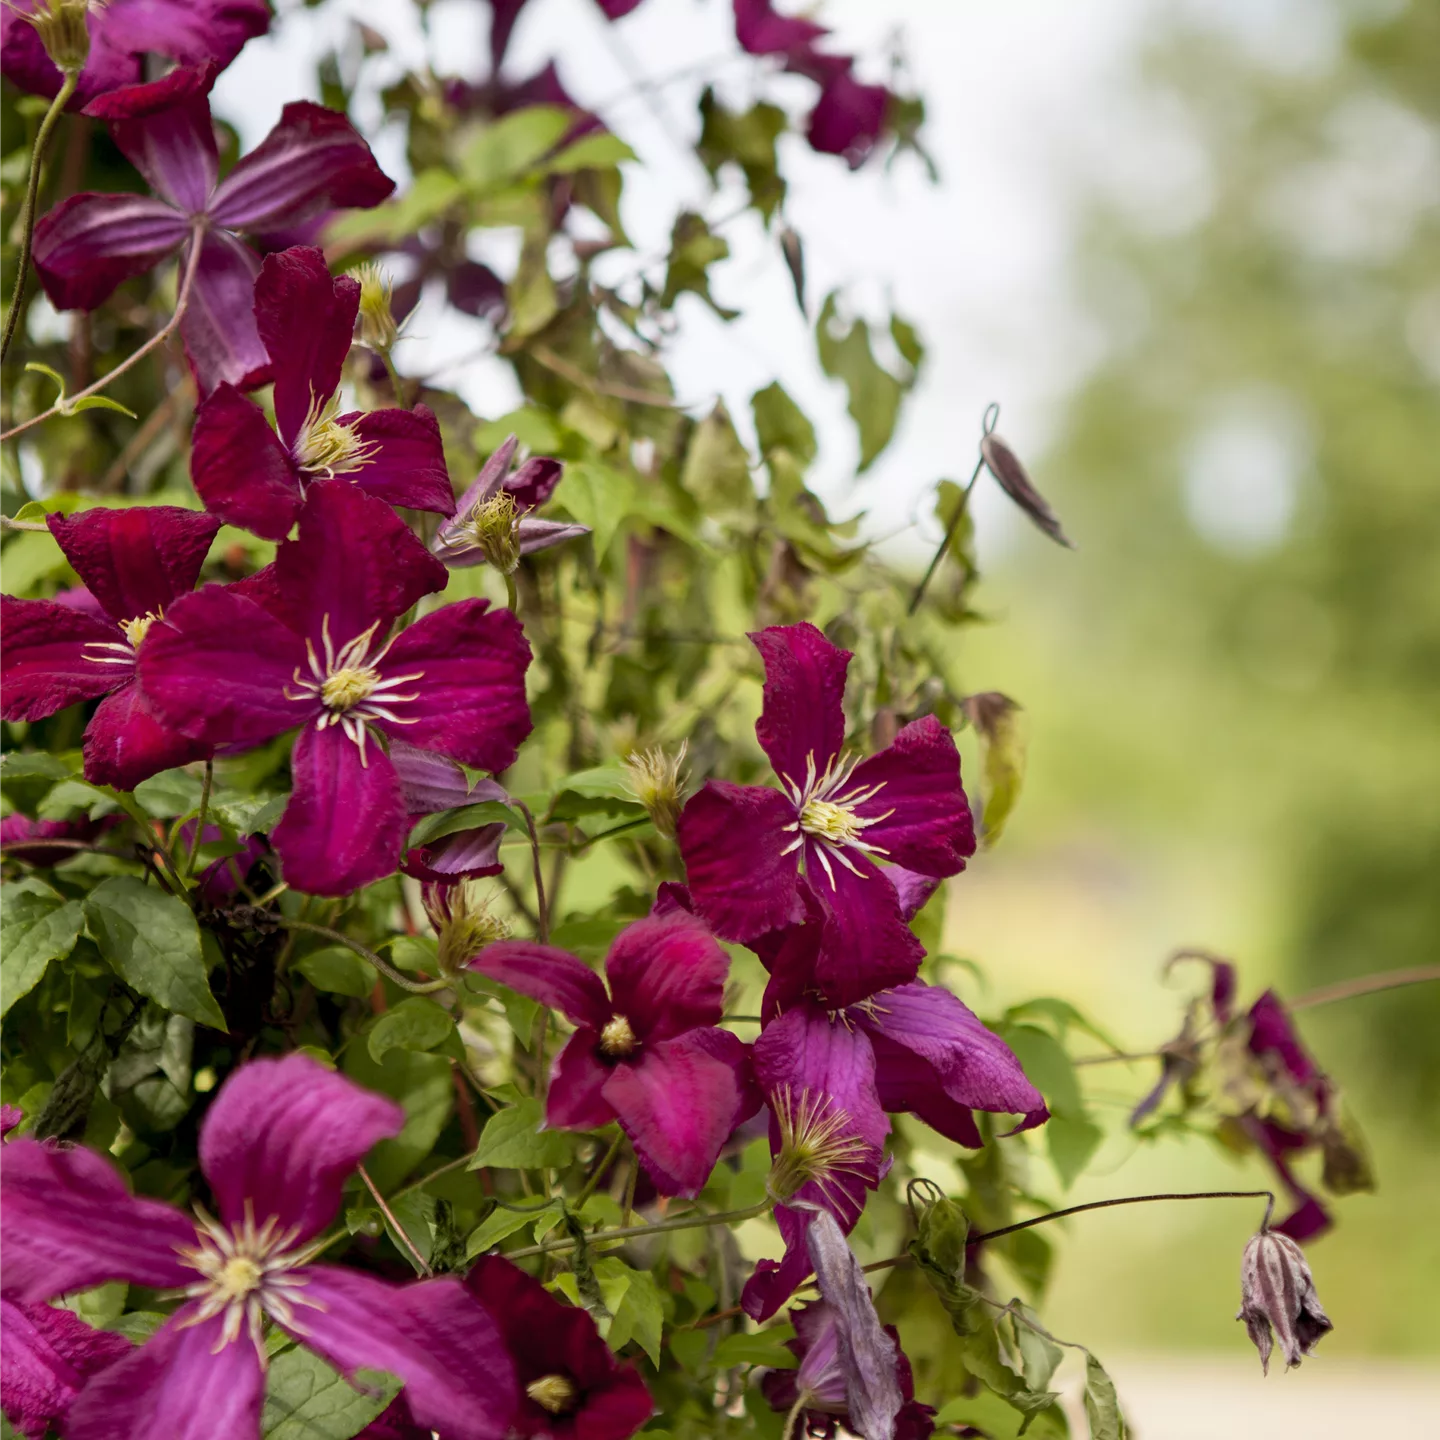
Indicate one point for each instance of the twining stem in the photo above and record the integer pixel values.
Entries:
(607, 834)
(416, 987)
(32, 198)
(950, 530)
(542, 913)
(396, 1228)
(1365, 985)
(200, 818)
(630, 1232)
(158, 338)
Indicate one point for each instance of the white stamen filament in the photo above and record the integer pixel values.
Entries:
(825, 813)
(122, 652)
(325, 447)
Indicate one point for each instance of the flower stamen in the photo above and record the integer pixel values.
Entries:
(817, 1145)
(326, 447)
(827, 815)
(618, 1038)
(555, 1393)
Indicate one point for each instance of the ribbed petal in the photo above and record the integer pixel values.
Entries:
(927, 825)
(914, 890)
(533, 534)
(865, 946)
(465, 855)
(188, 31)
(470, 665)
(345, 825)
(907, 1083)
(49, 1354)
(89, 243)
(43, 661)
(182, 1384)
(677, 1103)
(355, 561)
(775, 1281)
(164, 130)
(306, 320)
(577, 1081)
(25, 63)
(803, 718)
(240, 469)
(218, 326)
(283, 1136)
(553, 977)
(71, 1224)
(127, 742)
(407, 459)
(217, 667)
(136, 561)
(458, 1377)
(434, 782)
(732, 839)
(311, 161)
(667, 975)
(534, 482)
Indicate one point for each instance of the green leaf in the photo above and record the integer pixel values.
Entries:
(464, 817)
(781, 425)
(306, 1400)
(874, 392)
(746, 139)
(337, 970)
(171, 792)
(590, 152)
(717, 465)
(31, 557)
(423, 1084)
(414, 1024)
(50, 374)
(640, 1316)
(599, 496)
(1048, 1067)
(433, 192)
(530, 294)
(996, 719)
(74, 797)
(414, 952)
(37, 925)
(1072, 1144)
(907, 341)
(1040, 1356)
(765, 1348)
(498, 1225)
(1102, 1405)
(34, 764)
(138, 1326)
(513, 1140)
(416, 1215)
(152, 941)
(96, 402)
(693, 249)
(499, 152)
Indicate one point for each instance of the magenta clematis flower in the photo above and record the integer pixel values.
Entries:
(135, 563)
(493, 522)
(49, 1355)
(275, 1149)
(429, 784)
(35, 841)
(312, 160)
(304, 644)
(249, 476)
(122, 33)
(648, 1053)
(754, 854)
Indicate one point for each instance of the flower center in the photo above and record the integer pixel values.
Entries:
(618, 1039)
(826, 814)
(136, 629)
(325, 447)
(555, 1393)
(347, 687)
(492, 527)
(828, 821)
(816, 1144)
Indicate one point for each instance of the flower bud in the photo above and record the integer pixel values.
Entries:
(657, 781)
(377, 319)
(463, 923)
(61, 26)
(1277, 1290)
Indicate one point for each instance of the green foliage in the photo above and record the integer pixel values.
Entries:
(37, 925)
(306, 1400)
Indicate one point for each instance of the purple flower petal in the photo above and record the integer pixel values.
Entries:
(33, 842)
(677, 1103)
(913, 890)
(553, 977)
(1309, 1219)
(487, 483)
(906, 1083)
(865, 945)
(576, 1100)
(761, 31)
(217, 668)
(407, 458)
(1272, 1032)
(283, 1136)
(345, 825)
(71, 1224)
(164, 130)
(926, 824)
(89, 243)
(732, 839)
(534, 535)
(464, 855)
(49, 1354)
(127, 742)
(184, 1383)
(47, 661)
(848, 119)
(434, 782)
(135, 562)
(458, 1377)
(313, 160)
(218, 326)
(469, 662)
(667, 976)
(775, 1281)
(534, 482)
(239, 467)
(306, 320)
(803, 719)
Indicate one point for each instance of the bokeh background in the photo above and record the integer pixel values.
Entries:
(1192, 247)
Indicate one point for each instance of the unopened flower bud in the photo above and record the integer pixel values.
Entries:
(1277, 1291)
(377, 319)
(657, 781)
(63, 31)
(463, 923)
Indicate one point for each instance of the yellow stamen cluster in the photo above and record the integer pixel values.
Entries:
(493, 527)
(618, 1038)
(377, 321)
(657, 781)
(136, 629)
(347, 687)
(63, 31)
(466, 926)
(817, 1144)
(325, 447)
(555, 1393)
(826, 813)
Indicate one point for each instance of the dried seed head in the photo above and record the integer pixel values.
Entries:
(377, 319)
(463, 923)
(657, 780)
(1277, 1291)
(62, 28)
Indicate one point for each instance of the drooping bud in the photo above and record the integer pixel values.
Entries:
(1277, 1291)
(463, 923)
(657, 781)
(377, 319)
(1004, 464)
(63, 31)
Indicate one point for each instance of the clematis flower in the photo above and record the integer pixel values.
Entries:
(49, 1355)
(275, 1149)
(754, 854)
(571, 1385)
(249, 476)
(648, 1053)
(429, 784)
(1277, 1290)
(136, 563)
(493, 523)
(122, 33)
(34, 841)
(305, 644)
(312, 160)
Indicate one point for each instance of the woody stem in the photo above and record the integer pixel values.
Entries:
(630, 1232)
(950, 530)
(396, 1229)
(416, 987)
(1365, 985)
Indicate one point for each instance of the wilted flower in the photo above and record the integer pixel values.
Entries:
(253, 478)
(1277, 1291)
(657, 780)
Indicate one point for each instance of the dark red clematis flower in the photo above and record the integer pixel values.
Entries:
(249, 476)
(311, 161)
(304, 644)
(571, 1386)
(136, 563)
(754, 854)
(122, 34)
(648, 1053)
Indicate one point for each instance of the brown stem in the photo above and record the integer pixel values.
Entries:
(396, 1228)
(542, 913)
(1365, 985)
(416, 987)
